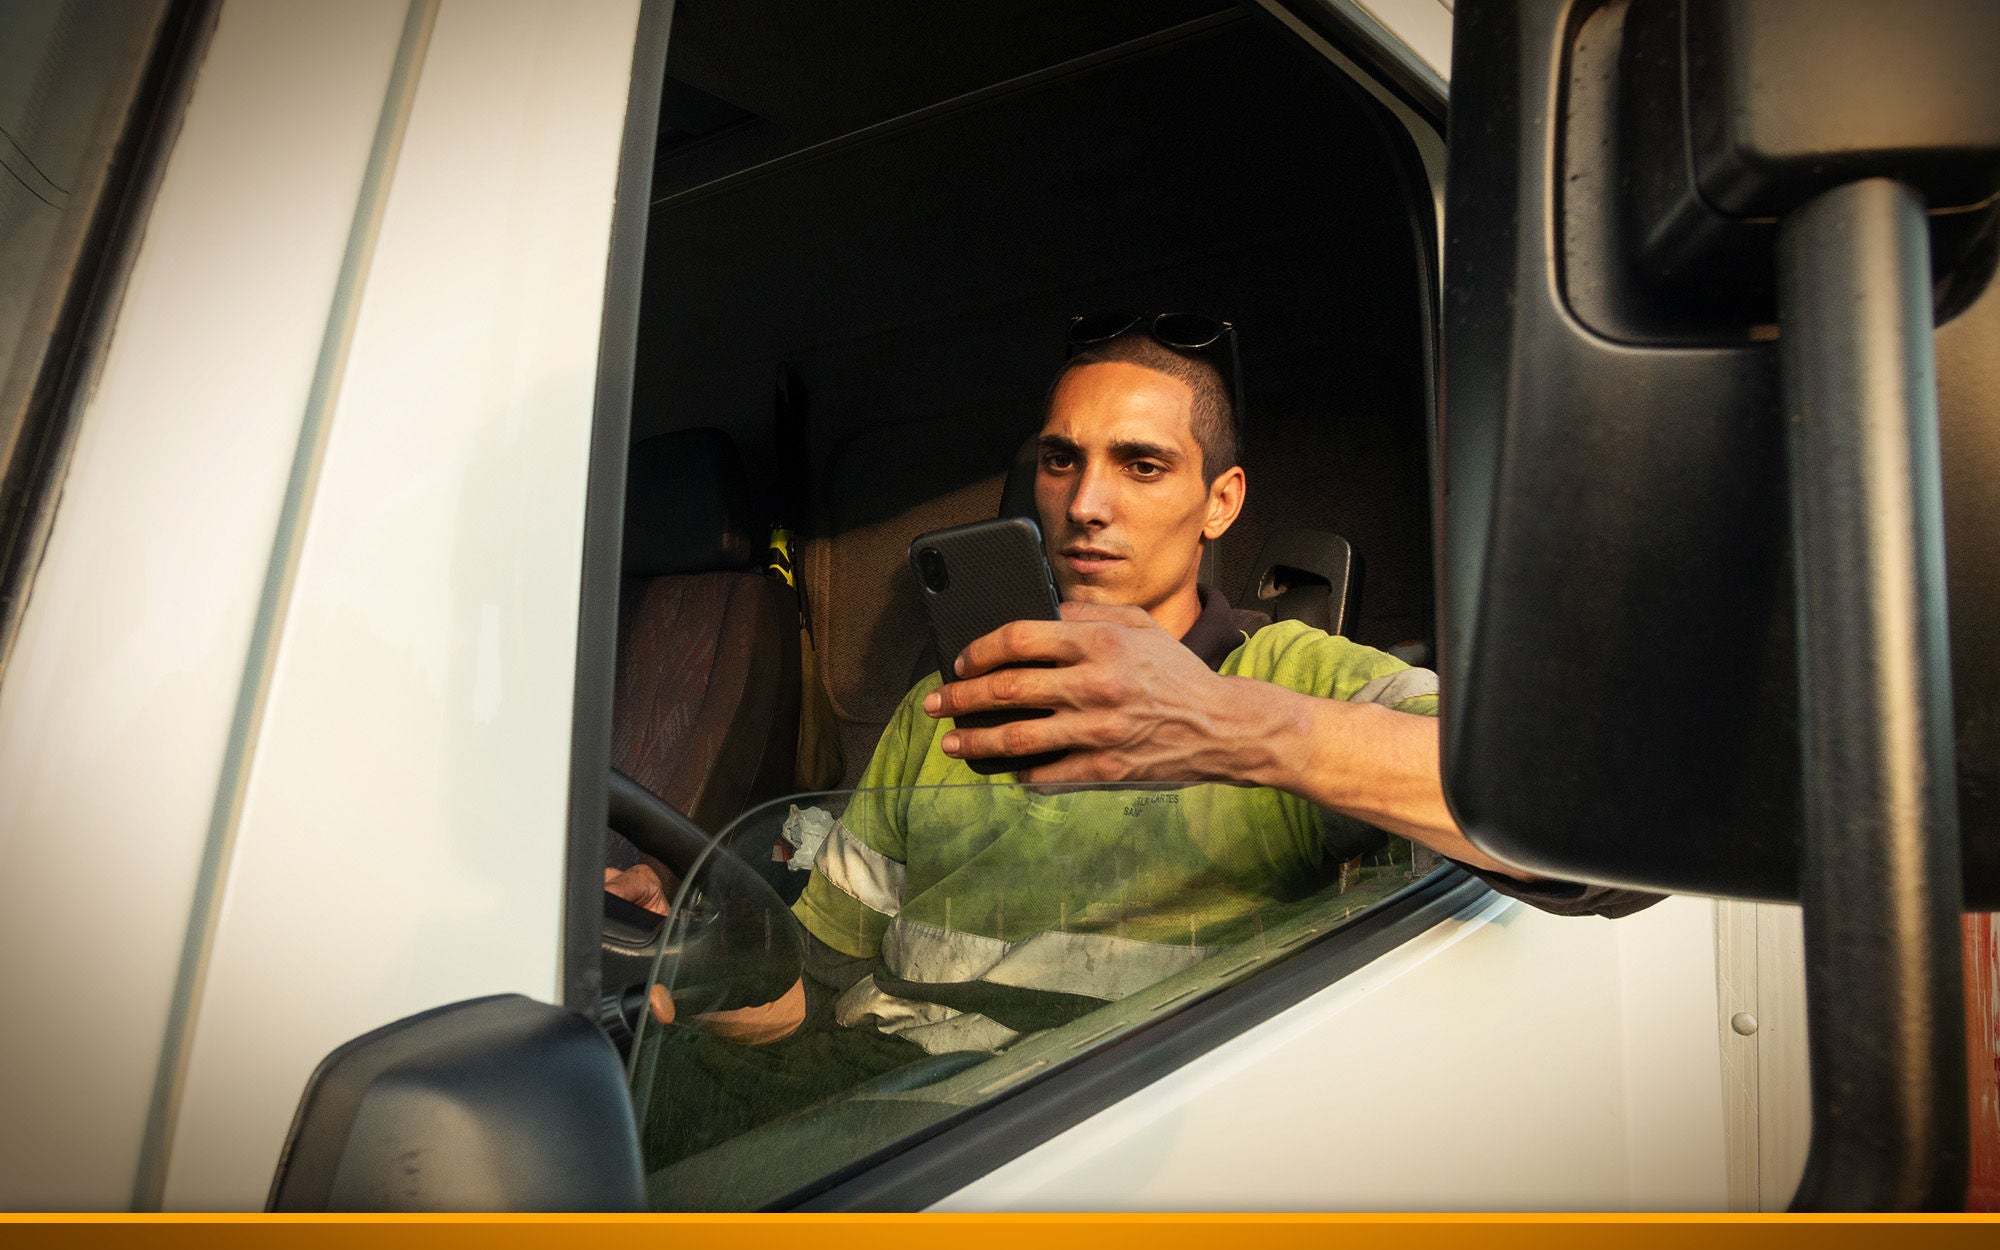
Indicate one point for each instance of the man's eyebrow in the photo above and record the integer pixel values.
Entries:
(1136, 449)
(1124, 450)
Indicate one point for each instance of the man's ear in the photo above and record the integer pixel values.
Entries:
(1225, 502)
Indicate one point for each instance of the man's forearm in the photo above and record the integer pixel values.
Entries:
(1359, 759)
(1131, 703)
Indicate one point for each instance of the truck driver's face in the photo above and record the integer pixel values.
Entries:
(1119, 487)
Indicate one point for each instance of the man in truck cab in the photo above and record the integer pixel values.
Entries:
(959, 918)
(1315, 741)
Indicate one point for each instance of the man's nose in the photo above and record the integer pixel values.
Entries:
(1090, 503)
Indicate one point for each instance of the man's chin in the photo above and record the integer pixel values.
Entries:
(1085, 592)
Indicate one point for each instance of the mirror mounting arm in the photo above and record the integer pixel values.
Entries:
(1880, 875)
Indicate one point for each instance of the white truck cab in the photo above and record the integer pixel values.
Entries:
(331, 328)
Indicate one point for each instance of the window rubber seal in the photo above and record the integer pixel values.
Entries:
(604, 513)
(1356, 33)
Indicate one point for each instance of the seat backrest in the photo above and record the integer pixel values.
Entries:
(1305, 575)
(706, 697)
(879, 489)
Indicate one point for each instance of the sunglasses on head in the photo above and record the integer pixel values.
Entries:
(1185, 332)
(1189, 332)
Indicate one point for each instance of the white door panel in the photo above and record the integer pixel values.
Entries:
(409, 788)
(116, 712)
(1484, 1065)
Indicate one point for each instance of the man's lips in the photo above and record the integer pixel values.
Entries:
(1087, 560)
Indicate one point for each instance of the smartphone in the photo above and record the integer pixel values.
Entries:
(974, 579)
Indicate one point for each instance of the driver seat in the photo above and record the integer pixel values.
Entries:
(705, 705)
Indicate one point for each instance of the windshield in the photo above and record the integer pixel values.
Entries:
(842, 971)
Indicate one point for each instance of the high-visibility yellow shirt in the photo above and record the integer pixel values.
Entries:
(967, 888)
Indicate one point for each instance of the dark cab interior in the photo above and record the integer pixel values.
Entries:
(866, 239)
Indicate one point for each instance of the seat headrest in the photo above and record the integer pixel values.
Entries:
(687, 506)
(1017, 496)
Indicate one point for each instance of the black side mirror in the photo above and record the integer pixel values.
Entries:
(1620, 632)
(496, 1104)
(1696, 635)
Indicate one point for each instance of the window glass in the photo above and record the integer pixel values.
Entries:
(844, 970)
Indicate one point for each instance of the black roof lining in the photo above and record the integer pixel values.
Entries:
(799, 73)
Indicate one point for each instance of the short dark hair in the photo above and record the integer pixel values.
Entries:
(1212, 411)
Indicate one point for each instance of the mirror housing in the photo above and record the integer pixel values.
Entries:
(1618, 641)
(494, 1104)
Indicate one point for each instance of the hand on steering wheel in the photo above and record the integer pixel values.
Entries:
(639, 884)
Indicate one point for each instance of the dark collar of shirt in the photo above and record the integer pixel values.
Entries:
(1220, 629)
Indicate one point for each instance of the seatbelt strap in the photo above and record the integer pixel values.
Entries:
(819, 755)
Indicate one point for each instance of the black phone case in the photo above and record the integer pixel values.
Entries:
(997, 574)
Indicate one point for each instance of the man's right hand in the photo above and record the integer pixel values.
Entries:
(1128, 702)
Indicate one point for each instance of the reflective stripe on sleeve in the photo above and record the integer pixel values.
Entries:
(921, 952)
(965, 1030)
(860, 872)
(934, 1027)
(1098, 965)
(863, 1003)
(1398, 687)
(839, 920)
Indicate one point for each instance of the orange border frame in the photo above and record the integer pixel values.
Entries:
(978, 1232)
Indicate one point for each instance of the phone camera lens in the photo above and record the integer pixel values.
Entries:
(930, 563)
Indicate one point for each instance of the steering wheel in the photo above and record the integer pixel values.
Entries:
(719, 946)
(655, 826)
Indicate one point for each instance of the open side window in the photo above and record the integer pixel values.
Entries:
(860, 263)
